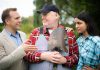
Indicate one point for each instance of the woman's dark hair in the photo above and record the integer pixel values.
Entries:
(91, 25)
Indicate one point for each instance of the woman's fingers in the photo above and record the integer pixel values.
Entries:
(69, 29)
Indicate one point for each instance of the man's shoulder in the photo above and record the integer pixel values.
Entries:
(22, 33)
(1, 35)
(96, 38)
(1, 38)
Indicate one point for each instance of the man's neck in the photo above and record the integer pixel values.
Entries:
(55, 27)
(11, 30)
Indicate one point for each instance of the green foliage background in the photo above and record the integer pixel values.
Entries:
(69, 8)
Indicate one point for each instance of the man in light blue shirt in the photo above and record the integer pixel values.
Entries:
(12, 46)
(16, 38)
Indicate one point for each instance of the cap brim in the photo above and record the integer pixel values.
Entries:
(39, 11)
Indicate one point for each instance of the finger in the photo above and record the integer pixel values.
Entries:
(32, 49)
(30, 45)
(85, 67)
(66, 28)
(70, 29)
(55, 52)
(27, 41)
(54, 61)
(57, 56)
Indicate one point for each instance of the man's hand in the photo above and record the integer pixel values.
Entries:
(29, 48)
(48, 56)
(54, 57)
(59, 59)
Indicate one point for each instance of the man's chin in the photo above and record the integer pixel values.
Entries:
(48, 26)
(18, 28)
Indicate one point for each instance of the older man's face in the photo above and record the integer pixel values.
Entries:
(51, 19)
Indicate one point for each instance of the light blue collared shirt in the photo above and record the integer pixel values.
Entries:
(89, 51)
(16, 38)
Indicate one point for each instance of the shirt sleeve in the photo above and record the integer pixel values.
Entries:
(72, 58)
(80, 64)
(97, 50)
(33, 56)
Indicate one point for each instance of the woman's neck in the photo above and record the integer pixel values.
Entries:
(85, 34)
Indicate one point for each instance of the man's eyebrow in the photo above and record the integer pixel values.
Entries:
(18, 17)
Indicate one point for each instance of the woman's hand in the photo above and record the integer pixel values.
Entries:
(69, 29)
(87, 68)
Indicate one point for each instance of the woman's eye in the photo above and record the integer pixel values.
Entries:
(78, 22)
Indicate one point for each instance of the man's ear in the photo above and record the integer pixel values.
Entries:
(58, 16)
(43, 17)
(7, 21)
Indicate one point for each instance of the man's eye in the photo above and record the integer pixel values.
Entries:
(17, 17)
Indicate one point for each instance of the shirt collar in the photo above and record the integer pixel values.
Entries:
(46, 30)
(10, 34)
(87, 37)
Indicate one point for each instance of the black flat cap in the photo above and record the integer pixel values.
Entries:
(47, 8)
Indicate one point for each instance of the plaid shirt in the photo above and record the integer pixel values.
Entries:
(72, 58)
(89, 51)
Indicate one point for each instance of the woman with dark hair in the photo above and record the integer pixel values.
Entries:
(88, 42)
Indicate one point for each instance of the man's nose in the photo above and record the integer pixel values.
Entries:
(20, 20)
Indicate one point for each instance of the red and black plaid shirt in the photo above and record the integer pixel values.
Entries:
(72, 58)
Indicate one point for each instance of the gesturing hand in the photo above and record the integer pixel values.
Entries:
(28, 47)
